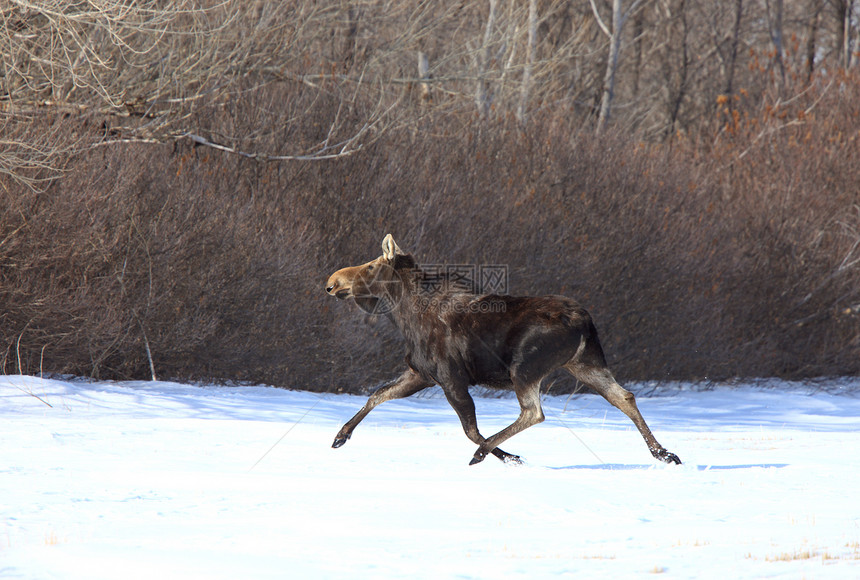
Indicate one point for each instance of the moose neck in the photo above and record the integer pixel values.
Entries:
(416, 313)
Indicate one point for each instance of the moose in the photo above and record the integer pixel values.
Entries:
(456, 338)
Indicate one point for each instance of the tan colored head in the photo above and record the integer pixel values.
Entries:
(370, 282)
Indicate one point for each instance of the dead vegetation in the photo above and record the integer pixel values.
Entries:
(175, 215)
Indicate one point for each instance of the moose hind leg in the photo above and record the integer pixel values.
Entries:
(531, 413)
(407, 384)
(602, 381)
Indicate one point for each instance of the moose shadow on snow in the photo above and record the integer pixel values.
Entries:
(643, 467)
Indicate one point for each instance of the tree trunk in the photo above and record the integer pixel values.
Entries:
(482, 93)
(847, 29)
(812, 38)
(680, 88)
(530, 57)
(774, 16)
(733, 54)
(611, 65)
(424, 75)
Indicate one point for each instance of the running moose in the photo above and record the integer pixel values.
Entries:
(456, 339)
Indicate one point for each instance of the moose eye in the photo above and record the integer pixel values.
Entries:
(370, 268)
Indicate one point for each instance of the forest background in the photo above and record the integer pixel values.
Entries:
(178, 179)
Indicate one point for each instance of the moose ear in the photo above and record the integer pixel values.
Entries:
(389, 248)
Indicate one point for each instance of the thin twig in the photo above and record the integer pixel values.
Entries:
(34, 395)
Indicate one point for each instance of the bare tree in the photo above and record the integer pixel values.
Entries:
(815, 7)
(483, 98)
(144, 68)
(846, 9)
(530, 57)
(619, 17)
(733, 49)
(775, 26)
(677, 76)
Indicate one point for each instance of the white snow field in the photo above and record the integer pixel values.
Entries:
(164, 480)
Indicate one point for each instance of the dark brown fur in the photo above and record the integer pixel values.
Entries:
(456, 339)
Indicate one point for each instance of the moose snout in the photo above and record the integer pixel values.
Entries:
(336, 289)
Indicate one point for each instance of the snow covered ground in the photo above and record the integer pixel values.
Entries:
(162, 480)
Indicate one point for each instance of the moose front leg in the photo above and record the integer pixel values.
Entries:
(406, 385)
(464, 405)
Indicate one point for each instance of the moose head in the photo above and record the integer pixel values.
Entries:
(376, 286)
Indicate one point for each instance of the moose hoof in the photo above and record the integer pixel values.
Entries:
(667, 457)
(339, 441)
(506, 457)
(478, 457)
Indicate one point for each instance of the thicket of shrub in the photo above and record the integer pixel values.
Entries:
(732, 255)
